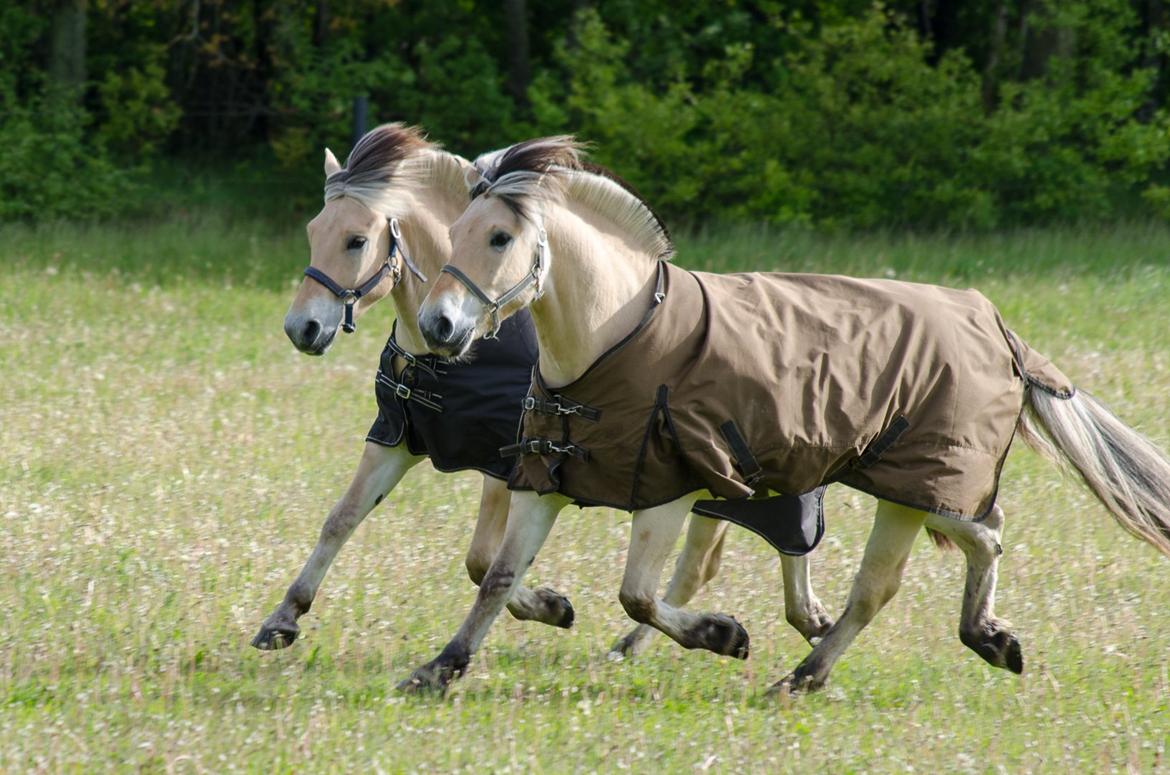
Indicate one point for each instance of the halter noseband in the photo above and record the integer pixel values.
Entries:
(389, 267)
(535, 276)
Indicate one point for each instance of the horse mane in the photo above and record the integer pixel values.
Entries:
(527, 172)
(384, 162)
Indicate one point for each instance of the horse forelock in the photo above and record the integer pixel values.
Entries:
(376, 162)
(550, 166)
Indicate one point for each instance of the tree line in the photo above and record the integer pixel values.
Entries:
(824, 113)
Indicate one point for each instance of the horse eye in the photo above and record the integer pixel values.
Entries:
(500, 239)
(356, 243)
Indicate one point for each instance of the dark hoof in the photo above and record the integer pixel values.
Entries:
(724, 635)
(625, 646)
(431, 678)
(277, 635)
(559, 605)
(794, 683)
(997, 645)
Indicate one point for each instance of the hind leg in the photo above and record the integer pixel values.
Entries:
(537, 605)
(979, 629)
(696, 565)
(894, 530)
(802, 608)
(654, 533)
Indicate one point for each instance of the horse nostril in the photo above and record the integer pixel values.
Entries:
(444, 328)
(310, 332)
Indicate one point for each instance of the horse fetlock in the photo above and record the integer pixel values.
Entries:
(995, 643)
(812, 623)
(719, 633)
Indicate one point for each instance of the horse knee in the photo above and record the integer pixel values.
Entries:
(477, 567)
(638, 605)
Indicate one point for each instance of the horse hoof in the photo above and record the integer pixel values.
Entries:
(793, 684)
(623, 647)
(561, 603)
(724, 635)
(276, 636)
(1015, 656)
(997, 645)
(426, 680)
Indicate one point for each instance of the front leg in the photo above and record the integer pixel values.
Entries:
(529, 522)
(378, 472)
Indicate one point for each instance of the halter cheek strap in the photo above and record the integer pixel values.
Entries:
(535, 276)
(389, 267)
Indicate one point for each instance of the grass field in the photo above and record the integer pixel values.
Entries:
(168, 458)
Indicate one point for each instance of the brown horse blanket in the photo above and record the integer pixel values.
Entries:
(747, 383)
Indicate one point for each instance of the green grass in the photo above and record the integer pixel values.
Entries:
(168, 459)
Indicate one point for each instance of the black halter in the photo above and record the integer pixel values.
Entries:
(535, 275)
(389, 267)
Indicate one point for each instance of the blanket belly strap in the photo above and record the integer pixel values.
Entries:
(558, 405)
(541, 446)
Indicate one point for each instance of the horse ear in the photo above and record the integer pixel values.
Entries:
(331, 164)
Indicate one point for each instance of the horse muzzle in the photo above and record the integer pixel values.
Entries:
(446, 334)
(309, 335)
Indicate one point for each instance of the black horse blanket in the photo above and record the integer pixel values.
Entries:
(461, 413)
(747, 383)
(458, 413)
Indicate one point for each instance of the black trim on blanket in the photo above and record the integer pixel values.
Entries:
(744, 460)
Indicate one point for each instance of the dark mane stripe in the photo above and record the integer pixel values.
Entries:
(378, 152)
(551, 156)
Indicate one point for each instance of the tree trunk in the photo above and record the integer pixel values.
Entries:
(519, 68)
(994, 55)
(262, 19)
(321, 23)
(67, 45)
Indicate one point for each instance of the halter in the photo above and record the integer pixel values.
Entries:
(540, 262)
(389, 267)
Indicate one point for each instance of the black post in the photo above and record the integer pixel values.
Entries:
(361, 106)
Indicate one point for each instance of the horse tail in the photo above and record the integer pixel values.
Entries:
(1123, 468)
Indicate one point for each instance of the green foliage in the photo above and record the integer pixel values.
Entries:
(50, 168)
(138, 110)
(829, 114)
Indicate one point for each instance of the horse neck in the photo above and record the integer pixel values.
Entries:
(598, 288)
(436, 203)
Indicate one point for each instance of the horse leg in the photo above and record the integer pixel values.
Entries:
(378, 472)
(531, 518)
(802, 608)
(654, 533)
(894, 530)
(540, 605)
(696, 565)
(979, 629)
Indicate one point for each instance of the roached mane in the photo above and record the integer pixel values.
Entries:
(546, 167)
(376, 162)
